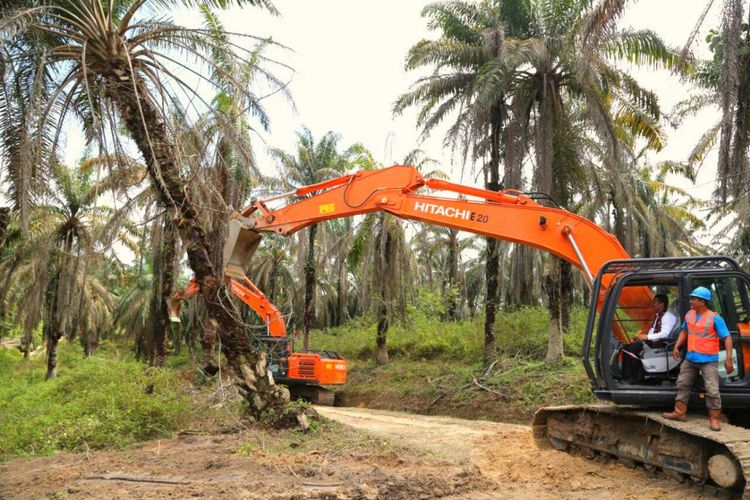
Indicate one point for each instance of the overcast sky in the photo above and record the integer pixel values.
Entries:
(348, 59)
(349, 68)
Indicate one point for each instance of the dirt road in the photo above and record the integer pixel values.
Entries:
(506, 455)
(363, 454)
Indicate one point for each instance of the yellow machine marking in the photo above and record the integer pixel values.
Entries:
(327, 208)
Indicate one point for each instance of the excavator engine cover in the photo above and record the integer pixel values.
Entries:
(240, 246)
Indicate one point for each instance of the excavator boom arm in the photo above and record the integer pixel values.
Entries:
(247, 292)
(505, 215)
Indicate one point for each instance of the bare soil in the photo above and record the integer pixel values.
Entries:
(363, 454)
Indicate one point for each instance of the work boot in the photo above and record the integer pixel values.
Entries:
(713, 420)
(679, 413)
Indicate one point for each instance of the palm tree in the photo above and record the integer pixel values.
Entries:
(69, 241)
(116, 63)
(384, 258)
(128, 182)
(723, 82)
(132, 309)
(561, 70)
(341, 235)
(441, 249)
(313, 163)
(272, 269)
(471, 41)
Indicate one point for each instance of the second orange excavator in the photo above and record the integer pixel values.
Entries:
(306, 373)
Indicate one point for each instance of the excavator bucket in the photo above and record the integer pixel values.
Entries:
(174, 307)
(239, 248)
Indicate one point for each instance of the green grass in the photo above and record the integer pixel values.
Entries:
(111, 401)
(429, 357)
(523, 385)
(102, 401)
(522, 333)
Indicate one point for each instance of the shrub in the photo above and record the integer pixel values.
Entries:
(95, 402)
(522, 333)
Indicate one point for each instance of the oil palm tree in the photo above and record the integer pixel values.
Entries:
(341, 235)
(122, 63)
(69, 241)
(565, 69)
(380, 251)
(723, 82)
(312, 163)
(525, 65)
(272, 270)
(128, 182)
(471, 40)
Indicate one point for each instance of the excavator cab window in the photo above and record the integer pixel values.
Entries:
(635, 362)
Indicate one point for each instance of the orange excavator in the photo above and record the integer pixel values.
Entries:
(621, 289)
(306, 373)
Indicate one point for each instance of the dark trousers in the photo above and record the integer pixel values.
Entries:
(632, 369)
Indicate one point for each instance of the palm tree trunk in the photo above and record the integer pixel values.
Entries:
(384, 257)
(4, 222)
(566, 294)
(341, 292)
(140, 346)
(381, 355)
(619, 216)
(451, 311)
(309, 315)
(552, 286)
(51, 327)
(208, 348)
(15, 262)
(492, 182)
(149, 132)
(521, 293)
(163, 285)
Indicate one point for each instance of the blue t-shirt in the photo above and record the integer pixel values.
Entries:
(721, 328)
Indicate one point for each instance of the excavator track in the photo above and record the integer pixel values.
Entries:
(633, 436)
(315, 394)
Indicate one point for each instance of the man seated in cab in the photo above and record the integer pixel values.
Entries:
(702, 329)
(664, 322)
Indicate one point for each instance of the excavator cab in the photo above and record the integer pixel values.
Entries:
(614, 322)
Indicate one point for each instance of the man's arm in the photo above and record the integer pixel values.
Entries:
(728, 346)
(680, 342)
(723, 331)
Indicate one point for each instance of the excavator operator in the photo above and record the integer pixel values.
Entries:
(702, 329)
(663, 324)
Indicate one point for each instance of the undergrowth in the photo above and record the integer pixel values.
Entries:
(433, 365)
(96, 402)
(520, 333)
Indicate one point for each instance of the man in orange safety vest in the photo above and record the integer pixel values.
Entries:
(702, 329)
